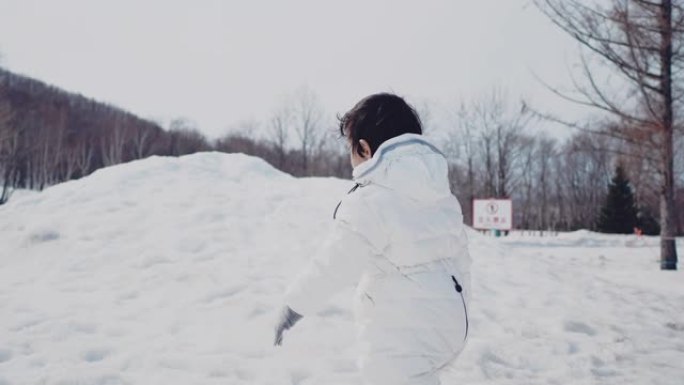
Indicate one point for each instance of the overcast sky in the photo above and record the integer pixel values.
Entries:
(222, 62)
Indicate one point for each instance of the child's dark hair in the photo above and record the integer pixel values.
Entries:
(378, 118)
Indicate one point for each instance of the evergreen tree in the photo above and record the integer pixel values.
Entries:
(619, 214)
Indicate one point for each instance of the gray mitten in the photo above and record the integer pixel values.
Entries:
(288, 318)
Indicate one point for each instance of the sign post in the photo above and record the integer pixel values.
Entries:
(493, 214)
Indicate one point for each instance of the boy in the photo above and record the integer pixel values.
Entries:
(398, 236)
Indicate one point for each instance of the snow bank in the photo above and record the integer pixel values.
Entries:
(579, 238)
(171, 270)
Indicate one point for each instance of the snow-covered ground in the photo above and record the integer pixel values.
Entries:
(171, 271)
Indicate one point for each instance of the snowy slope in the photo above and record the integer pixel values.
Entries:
(171, 271)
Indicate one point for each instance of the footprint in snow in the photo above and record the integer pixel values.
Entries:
(42, 236)
(5, 355)
(678, 327)
(334, 311)
(224, 294)
(95, 355)
(257, 311)
(298, 376)
(579, 327)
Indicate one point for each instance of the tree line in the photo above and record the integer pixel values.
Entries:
(641, 43)
(48, 136)
(495, 151)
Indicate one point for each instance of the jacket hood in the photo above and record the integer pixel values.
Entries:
(409, 164)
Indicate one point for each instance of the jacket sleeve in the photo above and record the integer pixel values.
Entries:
(341, 259)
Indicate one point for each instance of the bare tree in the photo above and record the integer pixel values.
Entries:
(307, 114)
(528, 183)
(561, 221)
(584, 172)
(70, 165)
(47, 151)
(185, 138)
(9, 143)
(84, 156)
(280, 125)
(330, 156)
(78, 159)
(641, 40)
(112, 143)
(462, 144)
(546, 151)
(141, 141)
(500, 132)
(426, 116)
(37, 156)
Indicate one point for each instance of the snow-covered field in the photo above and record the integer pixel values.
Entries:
(171, 271)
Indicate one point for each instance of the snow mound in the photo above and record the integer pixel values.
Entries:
(171, 271)
(579, 238)
(164, 270)
(143, 198)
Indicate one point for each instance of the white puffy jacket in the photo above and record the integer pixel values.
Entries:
(400, 237)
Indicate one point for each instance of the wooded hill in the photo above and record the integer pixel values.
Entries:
(48, 135)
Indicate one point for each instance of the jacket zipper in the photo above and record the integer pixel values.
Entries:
(459, 290)
(338, 205)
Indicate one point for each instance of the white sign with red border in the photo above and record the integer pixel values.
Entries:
(492, 214)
